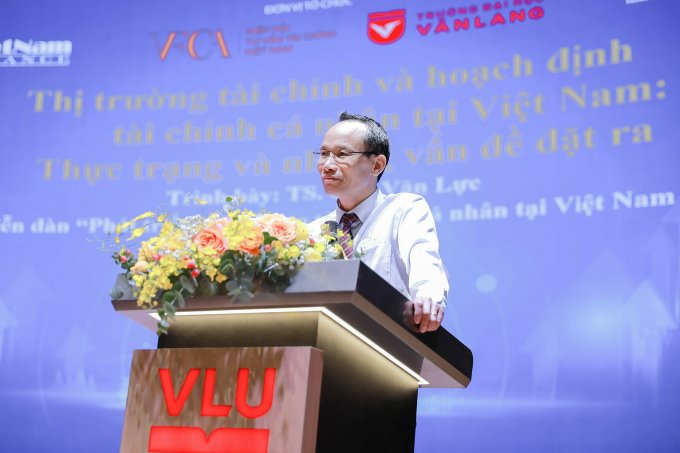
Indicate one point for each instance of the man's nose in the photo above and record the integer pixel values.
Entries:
(328, 165)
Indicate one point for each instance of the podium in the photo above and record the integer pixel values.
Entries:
(339, 327)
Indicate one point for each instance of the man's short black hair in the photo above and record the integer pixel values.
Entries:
(376, 140)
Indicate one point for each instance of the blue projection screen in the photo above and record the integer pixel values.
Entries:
(540, 132)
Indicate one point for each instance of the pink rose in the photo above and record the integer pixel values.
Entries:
(283, 230)
(211, 237)
(266, 220)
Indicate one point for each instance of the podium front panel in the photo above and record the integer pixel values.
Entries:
(232, 400)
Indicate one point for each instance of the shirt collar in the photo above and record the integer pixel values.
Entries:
(363, 209)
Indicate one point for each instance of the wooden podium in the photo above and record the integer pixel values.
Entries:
(339, 325)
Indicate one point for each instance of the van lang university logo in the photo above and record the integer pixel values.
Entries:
(16, 53)
(193, 439)
(386, 27)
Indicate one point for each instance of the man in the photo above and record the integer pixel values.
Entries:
(394, 234)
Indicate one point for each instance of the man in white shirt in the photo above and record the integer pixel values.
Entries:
(394, 234)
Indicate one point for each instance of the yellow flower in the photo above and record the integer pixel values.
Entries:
(312, 255)
(302, 231)
(243, 234)
(136, 233)
(167, 229)
(146, 215)
(293, 251)
(140, 267)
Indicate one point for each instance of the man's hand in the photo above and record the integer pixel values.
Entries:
(427, 315)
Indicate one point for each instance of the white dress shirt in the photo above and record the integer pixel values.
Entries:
(396, 237)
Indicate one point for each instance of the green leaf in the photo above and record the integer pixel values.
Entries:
(268, 238)
(228, 269)
(228, 257)
(248, 275)
(232, 285)
(179, 300)
(207, 288)
(162, 327)
(243, 297)
(246, 284)
(169, 308)
(116, 293)
(187, 284)
(169, 296)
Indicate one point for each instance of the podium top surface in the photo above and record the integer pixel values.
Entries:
(351, 293)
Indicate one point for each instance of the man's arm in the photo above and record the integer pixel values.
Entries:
(418, 248)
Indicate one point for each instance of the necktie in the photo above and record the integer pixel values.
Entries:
(346, 222)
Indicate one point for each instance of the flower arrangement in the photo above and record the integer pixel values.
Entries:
(237, 253)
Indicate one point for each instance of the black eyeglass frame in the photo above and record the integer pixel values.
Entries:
(347, 154)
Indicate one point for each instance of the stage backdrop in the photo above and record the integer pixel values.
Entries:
(543, 133)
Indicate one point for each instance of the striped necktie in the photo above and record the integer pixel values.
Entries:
(346, 221)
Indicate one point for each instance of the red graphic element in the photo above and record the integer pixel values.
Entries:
(242, 405)
(175, 405)
(386, 27)
(441, 27)
(208, 409)
(189, 42)
(424, 30)
(188, 439)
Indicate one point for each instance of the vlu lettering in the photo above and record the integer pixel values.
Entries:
(175, 401)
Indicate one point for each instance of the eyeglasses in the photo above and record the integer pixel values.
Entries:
(340, 158)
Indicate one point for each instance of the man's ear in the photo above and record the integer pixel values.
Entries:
(379, 164)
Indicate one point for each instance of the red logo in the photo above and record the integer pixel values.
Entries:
(386, 27)
(191, 439)
(176, 439)
(199, 44)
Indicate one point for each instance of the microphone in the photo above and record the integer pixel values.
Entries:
(332, 229)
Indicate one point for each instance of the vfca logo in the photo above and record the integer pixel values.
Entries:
(386, 27)
(199, 44)
(192, 439)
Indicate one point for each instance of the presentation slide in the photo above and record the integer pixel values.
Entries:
(540, 132)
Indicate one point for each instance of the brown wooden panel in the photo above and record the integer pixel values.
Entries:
(166, 421)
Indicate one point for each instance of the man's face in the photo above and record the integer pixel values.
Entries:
(355, 176)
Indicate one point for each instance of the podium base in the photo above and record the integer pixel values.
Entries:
(367, 403)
